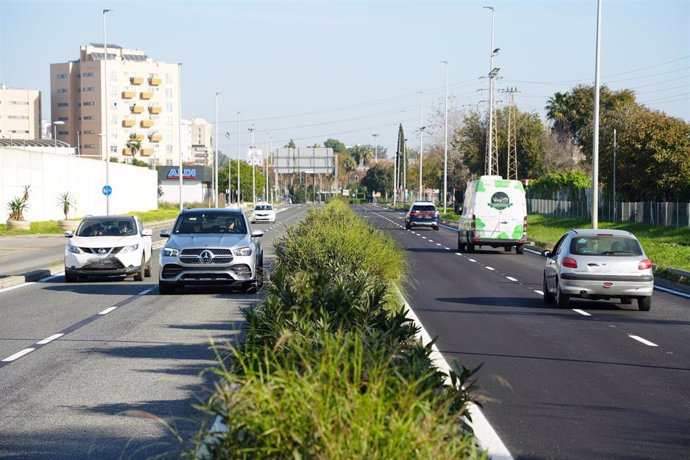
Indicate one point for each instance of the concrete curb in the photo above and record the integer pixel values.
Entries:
(31, 276)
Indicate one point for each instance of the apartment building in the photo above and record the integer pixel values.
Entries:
(201, 138)
(20, 113)
(128, 95)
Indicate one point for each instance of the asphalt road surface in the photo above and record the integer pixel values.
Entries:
(110, 369)
(596, 380)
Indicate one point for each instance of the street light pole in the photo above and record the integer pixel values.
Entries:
(615, 205)
(252, 149)
(239, 188)
(55, 123)
(445, 142)
(421, 145)
(227, 136)
(105, 111)
(595, 141)
(179, 127)
(215, 161)
(376, 149)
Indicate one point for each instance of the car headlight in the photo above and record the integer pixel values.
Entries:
(74, 249)
(171, 252)
(242, 252)
(130, 248)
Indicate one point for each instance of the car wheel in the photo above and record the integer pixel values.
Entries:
(548, 297)
(70, 278)
(255, 286)
(470, 246)
(644, 303)
(166, 289)
(461, 245)
(436, 227)
(408, 226)
(562, 300)
(520, 249)
(147, 270)
(139, 276)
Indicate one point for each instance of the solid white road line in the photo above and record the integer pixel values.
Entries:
(582, 312)
(641, 340)
(485, 434)
(539, 292)
(146, 291)
(19, 354)
(50, 339)
(107, 310)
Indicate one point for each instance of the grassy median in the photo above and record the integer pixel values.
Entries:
(330, 366)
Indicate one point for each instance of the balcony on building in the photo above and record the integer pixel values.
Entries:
(146, 152)
(145, 95)
(127, 94)
(139, 137)
(137, 108)
(128, 123)
(155, 110)
(136, 80)
(155, 137)
(146, 123)
(154, 81)
(127, 152)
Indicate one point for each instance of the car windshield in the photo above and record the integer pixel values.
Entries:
(210, 223)
(262, 207)
(606, 245)
(424, 207)
(106, 227)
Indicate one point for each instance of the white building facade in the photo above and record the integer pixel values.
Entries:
(20, 113)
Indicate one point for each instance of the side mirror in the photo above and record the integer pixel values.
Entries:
(546, 253)
(165, 233)
(146, 232)
(69, 234)
(257, 234)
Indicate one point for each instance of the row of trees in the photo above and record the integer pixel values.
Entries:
(652, 149)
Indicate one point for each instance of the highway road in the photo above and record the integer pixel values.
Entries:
(597, 380)
(86, 369)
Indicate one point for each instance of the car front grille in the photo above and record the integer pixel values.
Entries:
(102, 251)
(206, 256)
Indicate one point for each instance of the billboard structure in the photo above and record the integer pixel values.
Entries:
(308, 160)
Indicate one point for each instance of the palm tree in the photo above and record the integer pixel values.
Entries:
(134, 144)
(558, 110)
(350, 165)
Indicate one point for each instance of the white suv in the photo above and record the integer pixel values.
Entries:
(108, 246)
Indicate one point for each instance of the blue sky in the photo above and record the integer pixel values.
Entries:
(350, 69)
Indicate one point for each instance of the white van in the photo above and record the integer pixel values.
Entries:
(494, 213)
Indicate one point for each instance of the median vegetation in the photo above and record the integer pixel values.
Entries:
(330, 366)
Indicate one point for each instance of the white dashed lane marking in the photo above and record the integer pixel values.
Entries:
(582, 312)
(50, 339)
(107, 310)
(490, 268)
(641, 340)
(511, 278)
(18, 354)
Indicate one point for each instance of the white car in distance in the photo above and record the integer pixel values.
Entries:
(263, 212)
(108, 246)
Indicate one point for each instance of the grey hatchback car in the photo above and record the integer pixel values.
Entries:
(598, 264)
(211, 246)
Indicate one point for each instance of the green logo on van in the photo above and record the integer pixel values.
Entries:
(500, 201)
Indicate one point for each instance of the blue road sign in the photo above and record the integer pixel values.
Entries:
(107, 190)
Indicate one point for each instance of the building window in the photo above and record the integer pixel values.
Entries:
(62, 76)
(19, 102)
(87, 74)
(18, 117)
(62, 90)
(88, 131)
(87, 146)
(168, 92)
(63, 104)
(88, 117)
(113, 149)
(63, 118)
(88, 89)
(63, 133)
(87, 103)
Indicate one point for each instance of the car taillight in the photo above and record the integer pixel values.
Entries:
(644, 265)
(569, 262)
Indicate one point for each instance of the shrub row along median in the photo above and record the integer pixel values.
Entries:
(330, 367)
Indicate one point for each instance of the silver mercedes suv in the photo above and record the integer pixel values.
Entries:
(210, 246)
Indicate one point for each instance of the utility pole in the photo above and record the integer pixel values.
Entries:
(421, 147)
(239, 188)
(512, 169)
(252, 150)
(492, 136)
(445, 141)
(215, 161)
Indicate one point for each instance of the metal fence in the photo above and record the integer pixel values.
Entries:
(666, 213)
